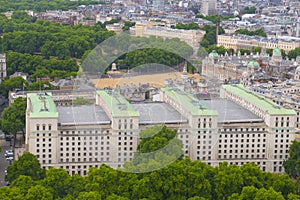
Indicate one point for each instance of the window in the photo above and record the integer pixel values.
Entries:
(37, 127)
(49, 127)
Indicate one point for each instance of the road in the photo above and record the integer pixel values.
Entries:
(3, 162)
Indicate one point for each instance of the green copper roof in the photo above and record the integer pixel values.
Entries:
(118, 105)
(276, 51)
(253, 63)
(190, 103)
(258, 100)
(213, 54)
(42, 105)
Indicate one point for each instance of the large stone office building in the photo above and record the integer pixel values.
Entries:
(237, 42)
(239, 127)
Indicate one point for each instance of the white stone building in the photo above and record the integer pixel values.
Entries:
(238, 128)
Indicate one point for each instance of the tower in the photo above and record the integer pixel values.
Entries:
(208, 7)
(2, 66)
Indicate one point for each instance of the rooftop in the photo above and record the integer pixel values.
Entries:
(230, 112)
(190, 103)
(117, 104)
(258, 100)
(43, 105)
(158, 113)
(82, 115)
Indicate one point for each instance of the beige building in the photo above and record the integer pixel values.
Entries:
(208, 7)
(191, 37)
(116, 27)
(237, 42)
(238, 128)
(2, 66)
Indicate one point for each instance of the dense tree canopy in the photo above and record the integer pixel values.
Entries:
(183, 179)
(26, 165)
(180, 179)
(214, 18)
(294, 53)
(127, 25)
(81, 101)
(11, 84)
(249, 10)
(258, 32)
(210, 35)
(43, 5)
(292, 164)
(13, 117)
(130, 52)
(189, 26)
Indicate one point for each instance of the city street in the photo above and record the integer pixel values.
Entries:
(3, 162)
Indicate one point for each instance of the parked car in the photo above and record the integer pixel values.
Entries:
(8, 139)
(9, 155)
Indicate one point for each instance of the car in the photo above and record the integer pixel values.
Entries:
(10, 158)
(9, 155)
(8, 139)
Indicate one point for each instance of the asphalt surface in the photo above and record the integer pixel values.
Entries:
(3, 162)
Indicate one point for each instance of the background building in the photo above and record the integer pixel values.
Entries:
(191, 37)
(208, 7)
(237, 42)
(2, 66)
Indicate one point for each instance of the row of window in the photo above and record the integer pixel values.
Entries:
(43, 127)
(84, 143)
(84, 148)
(239, 156)
(84, 132)
(241, 145)
(84, 160)
(83, 154)
(241, 140)
(242, 151)
(241, 135)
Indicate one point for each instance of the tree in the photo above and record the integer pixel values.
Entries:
(256, 50)
(11, 84)
(228, 180)
(57, 181)
(26, 165)
(127, 25)
(249, 10)
(294, 53)
(40, 85)
(258, 32)
(245, 51)
(24, 183)
(88, 196)
(189, 26)
(13, 118)
(81, 101)
(292, 164)
(221, 50)
(39, 192)
(270, 194)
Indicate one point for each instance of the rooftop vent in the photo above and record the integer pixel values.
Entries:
(122, 106)
(277, 107)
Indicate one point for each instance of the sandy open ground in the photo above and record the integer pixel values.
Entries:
(156, 80)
